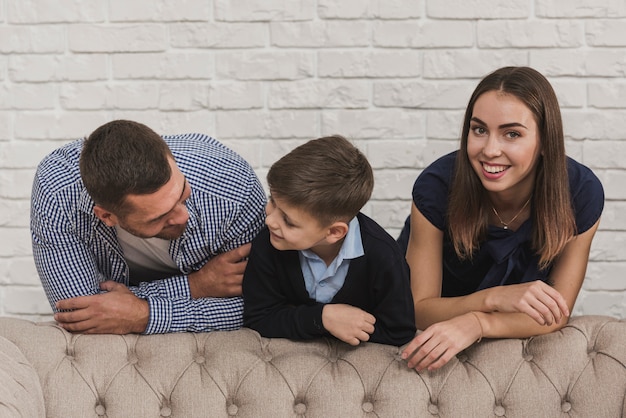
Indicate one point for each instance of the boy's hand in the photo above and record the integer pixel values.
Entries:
(348, 323)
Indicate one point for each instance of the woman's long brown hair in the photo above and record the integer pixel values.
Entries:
(552, 213)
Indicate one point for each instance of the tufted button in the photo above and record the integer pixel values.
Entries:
(69, 358)
(528, 357)
(166, 411)
(462, 357)
(592, 354)
(566, 406)
(433, 409)
(232, 409)
(333, 359)
(499, 411)
(367, 406)
(299, 408)
(268, 358)
(100, 410)
(132, 359)
(199, 359)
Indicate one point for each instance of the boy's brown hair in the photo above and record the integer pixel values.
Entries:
(328, 177)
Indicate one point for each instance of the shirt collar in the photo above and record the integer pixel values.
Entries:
(351, 248)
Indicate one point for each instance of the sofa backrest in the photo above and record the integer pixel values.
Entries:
(579, 371)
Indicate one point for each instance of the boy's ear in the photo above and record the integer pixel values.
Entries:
(337, 231)
(105, 216)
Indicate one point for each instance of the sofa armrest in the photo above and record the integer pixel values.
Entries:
(20, 391)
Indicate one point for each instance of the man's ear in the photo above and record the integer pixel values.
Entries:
(105, 216)
(336, 232)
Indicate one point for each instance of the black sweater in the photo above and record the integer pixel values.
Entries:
(277, 304)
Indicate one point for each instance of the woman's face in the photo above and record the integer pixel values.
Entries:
(503, 144)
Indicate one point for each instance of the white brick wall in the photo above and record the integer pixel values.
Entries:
(265, 75)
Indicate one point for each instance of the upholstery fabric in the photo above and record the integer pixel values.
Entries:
(577, 372)
(20, 391)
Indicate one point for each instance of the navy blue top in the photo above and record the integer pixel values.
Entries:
(506, 257)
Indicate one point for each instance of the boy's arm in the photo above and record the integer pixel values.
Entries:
(270, 305)
(395, 316)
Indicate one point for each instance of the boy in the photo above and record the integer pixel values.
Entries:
(321, 267)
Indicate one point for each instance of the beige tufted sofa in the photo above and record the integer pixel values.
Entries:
(578, 372)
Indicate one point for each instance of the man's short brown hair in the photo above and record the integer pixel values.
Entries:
(327, 177)
(120, 158)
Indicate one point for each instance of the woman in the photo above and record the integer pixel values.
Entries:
(500, 230)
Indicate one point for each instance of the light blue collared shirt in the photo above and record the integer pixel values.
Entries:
(323, 282)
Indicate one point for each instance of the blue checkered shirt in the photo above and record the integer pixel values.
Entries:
(74, 251)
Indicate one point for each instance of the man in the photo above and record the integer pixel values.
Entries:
(137, 233)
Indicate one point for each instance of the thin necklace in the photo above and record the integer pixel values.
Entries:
(505, 225)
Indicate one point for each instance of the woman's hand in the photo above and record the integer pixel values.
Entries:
(441, 341)
(540, 301)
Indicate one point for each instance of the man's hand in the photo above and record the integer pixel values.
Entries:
(118, 311)
(221, 276)
(348, 323)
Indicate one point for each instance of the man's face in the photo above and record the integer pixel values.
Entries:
(161, 214)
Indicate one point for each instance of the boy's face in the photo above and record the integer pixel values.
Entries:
(292, 228)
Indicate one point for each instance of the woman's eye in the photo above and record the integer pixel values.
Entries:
(478, 130)
(513, 135)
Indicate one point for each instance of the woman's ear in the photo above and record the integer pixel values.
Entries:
(336, 232)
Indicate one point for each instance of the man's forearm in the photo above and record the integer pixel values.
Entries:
(194, 315)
